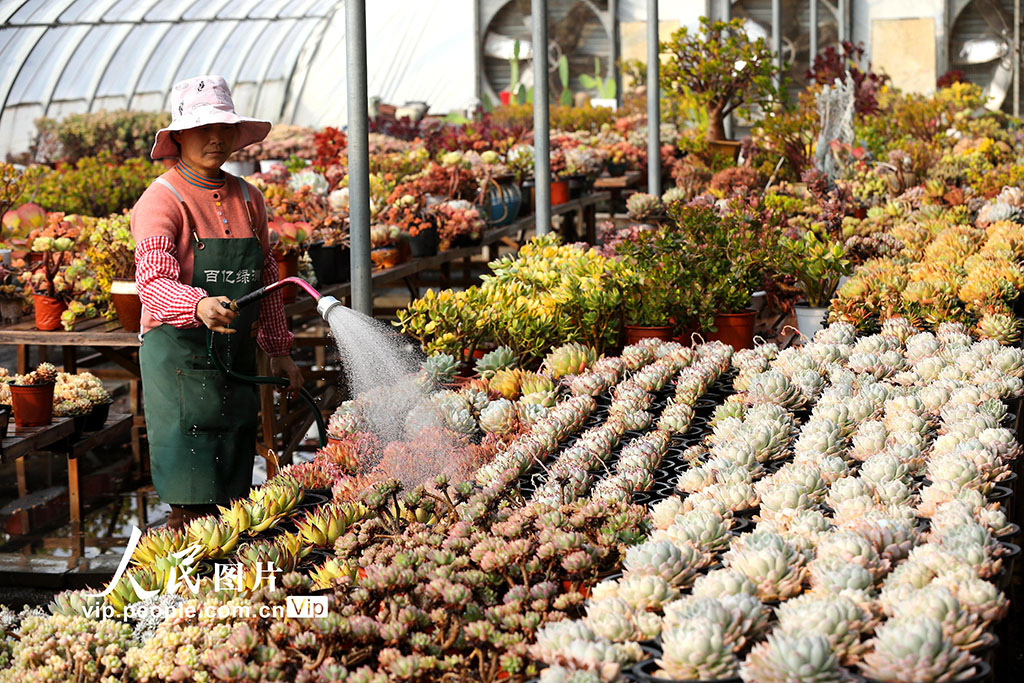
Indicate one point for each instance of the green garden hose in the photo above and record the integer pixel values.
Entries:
(277, 381)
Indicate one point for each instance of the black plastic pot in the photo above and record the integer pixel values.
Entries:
(644, 671)
(311, 500)
(641, 498)
(999, 493)
(5, 420)
(95, 420)
(330, 263)
(983, 673)
(424, 243)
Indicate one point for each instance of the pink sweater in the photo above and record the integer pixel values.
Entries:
(163, 253)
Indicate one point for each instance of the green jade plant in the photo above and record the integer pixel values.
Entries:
(726, 70)
(816, 264)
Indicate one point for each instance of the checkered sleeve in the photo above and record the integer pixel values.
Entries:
(273, 335)
(157, 275)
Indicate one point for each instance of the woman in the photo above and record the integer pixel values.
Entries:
(201, 237)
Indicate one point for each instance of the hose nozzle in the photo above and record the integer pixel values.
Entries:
(325, 305)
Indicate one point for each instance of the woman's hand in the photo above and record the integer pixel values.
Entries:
(284, 366)
(212, 312)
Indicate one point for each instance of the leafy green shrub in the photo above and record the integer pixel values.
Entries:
(94, 186)
(124, 134)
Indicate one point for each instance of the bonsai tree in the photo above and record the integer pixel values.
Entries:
(723, 68)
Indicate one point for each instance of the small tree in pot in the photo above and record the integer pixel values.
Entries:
(723, 68)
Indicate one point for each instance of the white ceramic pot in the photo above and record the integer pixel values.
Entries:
(267, 164)
(809, 320)
(758, 300)
(606, 102)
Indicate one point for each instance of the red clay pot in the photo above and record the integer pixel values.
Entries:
(32, 404)
(287, 266)
(127, 304)
(735, 329)
(48, 310)
(559, 192)
(635, 333)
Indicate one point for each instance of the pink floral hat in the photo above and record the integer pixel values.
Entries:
(202, 101)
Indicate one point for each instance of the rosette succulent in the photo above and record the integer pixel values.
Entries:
(918, 650)
(696, 649)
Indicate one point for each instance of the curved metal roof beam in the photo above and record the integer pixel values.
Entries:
(270, 62)
(325, 22)
(22, 56)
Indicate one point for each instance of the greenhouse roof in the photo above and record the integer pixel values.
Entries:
(284, 59)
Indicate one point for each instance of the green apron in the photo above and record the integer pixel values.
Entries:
(201, 425)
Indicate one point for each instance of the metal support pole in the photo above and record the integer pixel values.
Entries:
(1016, 57)
(842, 19)
(814, 33)
(725, 7)
(613, 13)
(541, 132)
(358, 156)
(653, 105)
(777, 38)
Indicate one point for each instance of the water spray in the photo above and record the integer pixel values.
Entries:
(324, 305)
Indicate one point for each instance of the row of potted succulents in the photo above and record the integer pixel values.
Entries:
(838, 503)
(876, 545)
(36, 397)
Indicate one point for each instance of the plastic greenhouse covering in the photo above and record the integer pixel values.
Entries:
(284, 59)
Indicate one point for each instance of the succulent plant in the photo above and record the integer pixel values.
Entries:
(775, 388)
(792, 657)
(569, 359)
(776, 573)
(642, 206)
(646, 592)
(217, 537)
(1001, 327)
(676, 564)
(492, 361)
(696, 649)
(741, 617)
(916, 649)
(440, 368)
(837, 618)
(81, 603)
(499, 417)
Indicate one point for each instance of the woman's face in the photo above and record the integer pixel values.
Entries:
(207, 148)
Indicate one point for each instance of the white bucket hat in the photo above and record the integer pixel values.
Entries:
(202, 101)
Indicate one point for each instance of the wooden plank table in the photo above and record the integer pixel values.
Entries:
(22, 442)
(57, 437)
(616, 185)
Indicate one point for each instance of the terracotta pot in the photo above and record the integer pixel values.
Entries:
(385, 257)
(559, 192)
(287, 266)
(735, 329)
(635, 333)
(33, 404)
(725, 148)
(127, 303)
(48, 310)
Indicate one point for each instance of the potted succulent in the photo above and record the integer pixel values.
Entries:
(32, 396)
(111, 258)
(287, 240)
(652, 280)
(725, 255)
(817, 264)
(408, 211)
(329, 252)
(724, 69)
(458, 223)
(51, 249)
